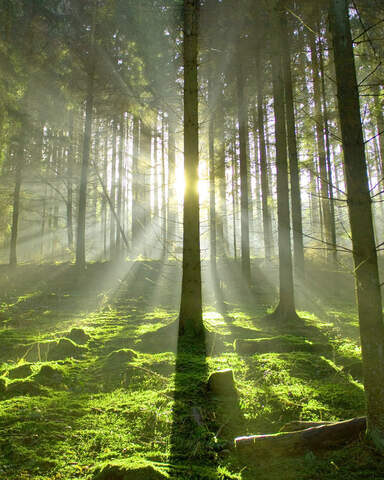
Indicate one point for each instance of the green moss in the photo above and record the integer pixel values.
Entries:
(131, 470)
(78, 336)
(22, 371)
(278, 344)
(50, 375)
(23, 387)
(119, 358)
(65, 348)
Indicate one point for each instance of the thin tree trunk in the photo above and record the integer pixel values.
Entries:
(212, 193)
(16, 202)
(324, 200)
(70, 163)
(328, 157)
(297, 224)
(120, 185)
(112, 195)
(243, 136)
(221, 210)
(172, 200)
(135, 184)
(265, 194)
(80, 241)
(163, 188)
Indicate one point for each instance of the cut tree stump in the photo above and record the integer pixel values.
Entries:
(314, 438)
(222, 382)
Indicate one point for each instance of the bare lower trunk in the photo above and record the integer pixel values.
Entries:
(191, 302)
(286, 306)
(243, 136)
(360, 213)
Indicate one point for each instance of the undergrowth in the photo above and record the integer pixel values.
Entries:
(113, 395)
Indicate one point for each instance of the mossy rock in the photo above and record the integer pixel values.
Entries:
(65, 348)
(119, 358)
(50, 375)
(22, 388)
(78, 336)
(130, 471)
(21, 371)
(278, 344)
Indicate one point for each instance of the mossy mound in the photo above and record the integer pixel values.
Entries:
(65, 348)
(279, 344)
(3, 385)
(355, 369)
(50, 375)
(120, 357)
(21, 371)
(130, 471)
(78, 336)
(23, 387)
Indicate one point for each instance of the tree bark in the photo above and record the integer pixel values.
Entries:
(243, 136)
(191, 302)
(329, 435)
(286, 306)
(212, 192)
(319, 121)
(360, 213)
(297, 224)
(80, 241)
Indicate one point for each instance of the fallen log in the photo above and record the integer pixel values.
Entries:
(296, 425)
(313, 438)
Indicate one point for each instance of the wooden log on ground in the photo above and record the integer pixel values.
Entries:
(297, 425)
(314, 438)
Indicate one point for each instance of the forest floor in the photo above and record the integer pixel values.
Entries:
(91, 389)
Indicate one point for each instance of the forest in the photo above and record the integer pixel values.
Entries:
(191, 238)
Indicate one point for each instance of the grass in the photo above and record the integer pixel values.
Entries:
(124, 403)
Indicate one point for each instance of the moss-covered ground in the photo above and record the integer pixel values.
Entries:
(95, 385)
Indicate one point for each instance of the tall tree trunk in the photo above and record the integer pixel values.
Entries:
(297, 224)
(120, 185)
(328, 157)
(156, 211)
(80, 240)
(163, 189)
(70, 163)
(191, 302)
(286, 306)
(221, 210)
(360, 213)
(324, 200)
(112, 196)
(136, 187)
(265, 193)
(243, 136)
(212, 193)
(16, 201)
(169, 235)
(379, 107)
(104, 211)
